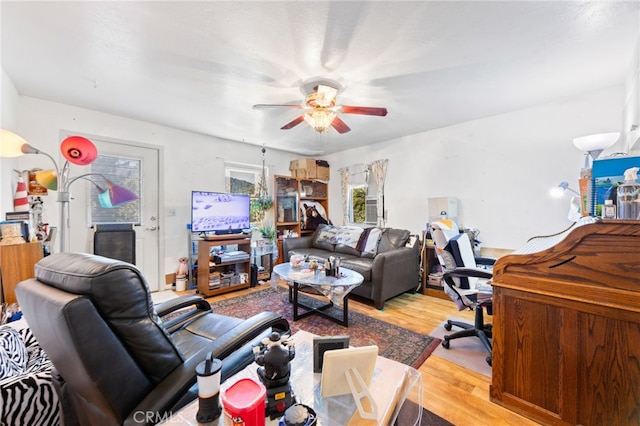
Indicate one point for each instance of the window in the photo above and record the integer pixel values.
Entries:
(245, 179)
(357, 202)
(240, 180)
(121, 171)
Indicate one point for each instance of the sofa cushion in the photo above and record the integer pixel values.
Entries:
(323, 238)
(359, 264)
(369, 242)
(392, 239)
(13, 353)
(345, 249)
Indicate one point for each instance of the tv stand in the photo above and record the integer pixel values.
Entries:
(210, 274)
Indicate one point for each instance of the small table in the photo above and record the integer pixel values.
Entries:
(336, 289)
(393, 384)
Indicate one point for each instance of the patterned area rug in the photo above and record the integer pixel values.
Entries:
(394, 342)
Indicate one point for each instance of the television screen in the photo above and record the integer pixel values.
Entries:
(219, 212)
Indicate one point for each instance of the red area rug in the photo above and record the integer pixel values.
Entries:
(394, 342)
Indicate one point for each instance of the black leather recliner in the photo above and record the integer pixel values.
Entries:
(116, 361)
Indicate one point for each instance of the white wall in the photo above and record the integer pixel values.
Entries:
(191, 161)
(8, 107)
(500, 168)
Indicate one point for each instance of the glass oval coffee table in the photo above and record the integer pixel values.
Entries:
(336, 289)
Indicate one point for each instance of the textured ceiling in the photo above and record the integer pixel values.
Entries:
(200, 66)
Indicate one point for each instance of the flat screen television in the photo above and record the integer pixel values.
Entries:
(219, 212)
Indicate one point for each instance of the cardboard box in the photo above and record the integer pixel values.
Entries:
(435, 280)
(322, 173)
(303, 168)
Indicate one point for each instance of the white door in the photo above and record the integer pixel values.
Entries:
(148, 230)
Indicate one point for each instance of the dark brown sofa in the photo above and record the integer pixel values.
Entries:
(392, 270)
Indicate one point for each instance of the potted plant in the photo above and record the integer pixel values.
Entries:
(267, 230)
(259, 207)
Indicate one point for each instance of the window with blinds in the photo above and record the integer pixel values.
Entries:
(121, 171)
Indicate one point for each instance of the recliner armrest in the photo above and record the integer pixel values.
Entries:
(201, 307)
(172, 305)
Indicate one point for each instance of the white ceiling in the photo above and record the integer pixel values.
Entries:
(200, 66)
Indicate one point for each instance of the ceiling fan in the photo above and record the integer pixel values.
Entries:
(321, 110)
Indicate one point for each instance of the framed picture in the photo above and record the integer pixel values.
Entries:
(322, 344)
(340, 362)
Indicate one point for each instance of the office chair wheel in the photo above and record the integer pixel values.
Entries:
(446, 344)
(447, 326)
(489, 360)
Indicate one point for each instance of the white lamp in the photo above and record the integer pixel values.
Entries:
(558, 191)
(575, 209)
(595, 144)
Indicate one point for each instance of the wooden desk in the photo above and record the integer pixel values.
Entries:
(16, 265)
(566, 328)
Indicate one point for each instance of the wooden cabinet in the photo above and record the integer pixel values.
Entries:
(293, 197)
(566, 327)
(212, 276)
(16, 264)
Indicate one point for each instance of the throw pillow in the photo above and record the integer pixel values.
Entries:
(13, 353)
(348, 235)
(370, 246)
(323, 237)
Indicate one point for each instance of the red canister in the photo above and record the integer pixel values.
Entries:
(244, 403)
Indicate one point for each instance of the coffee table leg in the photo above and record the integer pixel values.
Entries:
(345, 311)
(293, 290)
(295, 301)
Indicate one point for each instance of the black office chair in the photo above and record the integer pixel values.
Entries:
(116, 241)
(465, 282)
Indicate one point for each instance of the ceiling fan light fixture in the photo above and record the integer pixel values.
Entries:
(320, 119)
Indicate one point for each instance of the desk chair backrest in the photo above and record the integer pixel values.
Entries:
(454, 249)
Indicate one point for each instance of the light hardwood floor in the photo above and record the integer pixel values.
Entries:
(455, 393)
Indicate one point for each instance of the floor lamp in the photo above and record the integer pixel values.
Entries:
(76, 150)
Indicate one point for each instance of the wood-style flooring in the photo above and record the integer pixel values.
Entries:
(454, 393)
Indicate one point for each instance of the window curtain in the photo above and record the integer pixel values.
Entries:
(379, 171)
(344, 186)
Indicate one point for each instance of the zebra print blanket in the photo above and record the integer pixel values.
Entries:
(28, 397)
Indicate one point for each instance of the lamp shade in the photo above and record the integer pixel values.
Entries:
(118, 194)
(48, 179)
(599, 141)
(79, 150)
(11, 145)
(104, 198)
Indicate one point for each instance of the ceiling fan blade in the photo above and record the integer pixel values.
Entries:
(325, 95)
(340, 125)
(263, 106)
(293, 123)
(364, 110)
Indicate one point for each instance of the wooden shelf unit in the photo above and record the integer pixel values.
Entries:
(291, 193)
(205, 267)
(17, 263)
